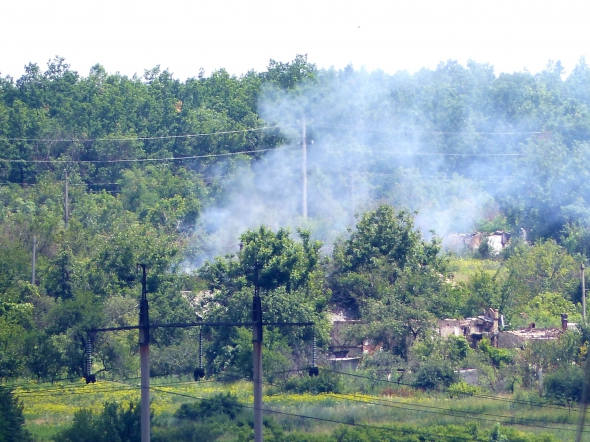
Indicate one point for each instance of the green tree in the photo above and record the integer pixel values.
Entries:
(12, 422)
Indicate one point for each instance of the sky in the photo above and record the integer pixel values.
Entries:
(129, 36)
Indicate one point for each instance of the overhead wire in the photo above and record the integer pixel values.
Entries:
(134, 138)
(466, 414)
(471, 394)
(301, 415)
(434, 132)
(142, 160)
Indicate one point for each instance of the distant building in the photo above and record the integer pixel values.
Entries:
(519, 338)
(487, 326)
(473, 329)
(344, 351)
(497, 241)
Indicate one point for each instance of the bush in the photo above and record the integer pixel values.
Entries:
(434, 375)
(462, 388)
(115, 423)
(326, 382)
(565, 383)
(220, 404)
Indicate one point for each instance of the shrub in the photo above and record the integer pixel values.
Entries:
(462, 388)
(434, 375)
(115, 423)
(565, 383)
(220, 404)
(326, 382)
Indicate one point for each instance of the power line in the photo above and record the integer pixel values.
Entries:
(141, 160)
(474, 394)
(433, 132)
(310, 417)
(146, 138)
(452, 412)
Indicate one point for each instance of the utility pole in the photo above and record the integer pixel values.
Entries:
(34, 259)
(257, 354)
(144, 355)
(582, 267)
(304, 144)
(66, 206)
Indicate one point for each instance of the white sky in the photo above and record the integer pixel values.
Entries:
(129, 36)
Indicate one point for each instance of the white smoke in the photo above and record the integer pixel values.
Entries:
(367, 150)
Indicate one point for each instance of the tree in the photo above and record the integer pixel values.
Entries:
(393, 277)
(291, 283)
(12, 422)
(545, 267)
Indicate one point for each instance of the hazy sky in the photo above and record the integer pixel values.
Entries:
(129, 35)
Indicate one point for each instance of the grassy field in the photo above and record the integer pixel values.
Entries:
(50, 407)
(462, 268)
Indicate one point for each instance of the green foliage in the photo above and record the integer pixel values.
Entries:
(220, 404)
(291, 282)
(532, 270)
(545, 310)
(462, 388)
(12, 422)
(113, 424)
(326, 382)
(565, 383)
(434, 375)
(394, 277)
(497, 356)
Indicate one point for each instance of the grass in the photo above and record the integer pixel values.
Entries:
(50, 407)
(462, 268)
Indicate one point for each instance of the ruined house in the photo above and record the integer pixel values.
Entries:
(473, 329)
(344, 351)
(497, 241)
(487, 324)
(518, 338)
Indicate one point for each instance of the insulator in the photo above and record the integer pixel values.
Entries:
(313, 370)
(88, 357)
(200, 372)
(90, 378)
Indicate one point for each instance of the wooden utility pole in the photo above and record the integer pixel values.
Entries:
(66, 204)
(144, 355)
(257, 356)
(582, 267)
(304, 144)
(34, 259)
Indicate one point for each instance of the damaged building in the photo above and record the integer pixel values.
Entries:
(497, 241)
(487, 325)
(474, 329)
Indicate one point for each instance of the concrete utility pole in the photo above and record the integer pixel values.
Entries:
(66, 204)
(257, 356)
(34, 259)
(304, 144)
(144, 355)
(582, 267)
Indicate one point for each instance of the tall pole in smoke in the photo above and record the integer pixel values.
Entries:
(582, 267)
(304, 144)
(257, 354)
(144, 357)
